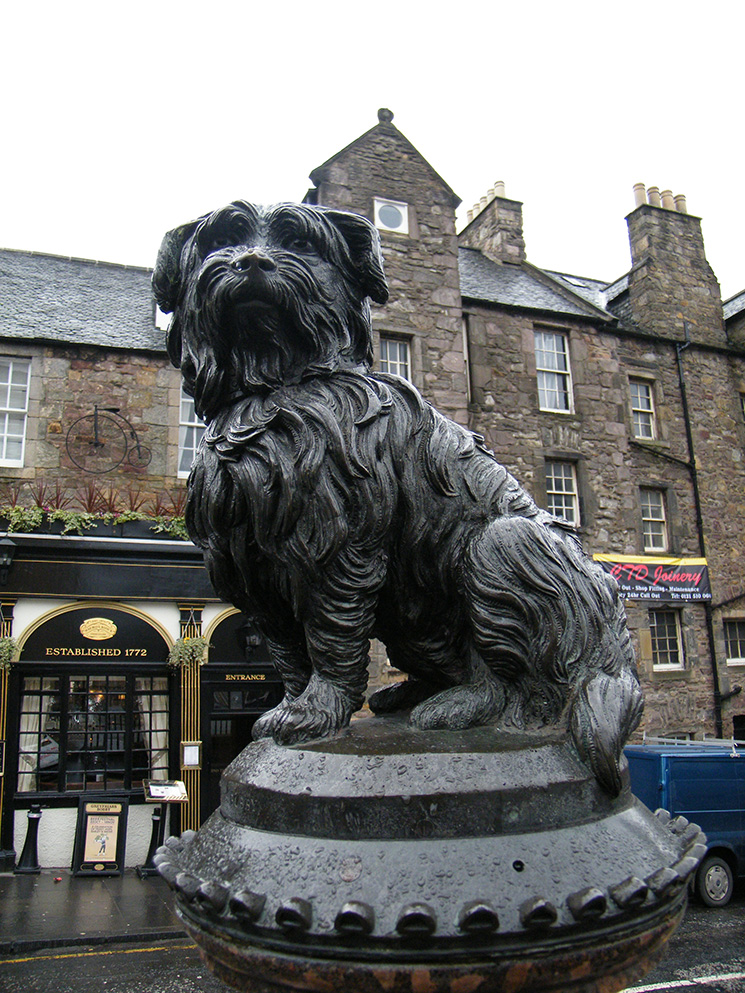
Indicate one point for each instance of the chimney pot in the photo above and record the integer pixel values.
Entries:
(499, 188)
(482, 203)
(653, 196)
(470, 215)
(680, 203)
(667, 200)
(640, 194)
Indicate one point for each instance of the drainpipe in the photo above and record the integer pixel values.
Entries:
(679, 349)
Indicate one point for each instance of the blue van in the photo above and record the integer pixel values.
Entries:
(705, 782)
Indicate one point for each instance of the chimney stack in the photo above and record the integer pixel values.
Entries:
(495, 227)
(673, 292)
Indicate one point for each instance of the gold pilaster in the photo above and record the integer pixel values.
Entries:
(6, 631)
(191, 716)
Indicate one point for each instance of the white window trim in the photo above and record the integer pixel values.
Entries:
(651, 412)
(573, 493)
(663, 520)
(398, 341)
(21, 461)
(732, 660)
(379, 203)
(182, 428)
(567, 375)
(665, 666)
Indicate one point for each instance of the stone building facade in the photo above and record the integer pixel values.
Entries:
(618, 405)
(638, 430)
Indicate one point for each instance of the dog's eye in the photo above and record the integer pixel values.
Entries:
(299, 244)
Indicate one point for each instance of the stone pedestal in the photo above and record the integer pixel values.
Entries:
(389, 859)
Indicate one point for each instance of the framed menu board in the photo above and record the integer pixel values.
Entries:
(100, 837)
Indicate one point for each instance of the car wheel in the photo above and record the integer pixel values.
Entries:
(714, 882)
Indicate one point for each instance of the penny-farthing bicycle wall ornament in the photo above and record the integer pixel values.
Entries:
(99, 442)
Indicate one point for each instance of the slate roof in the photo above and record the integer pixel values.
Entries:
(528, 287)
(593, 290)
(734, 306)
(76, 301)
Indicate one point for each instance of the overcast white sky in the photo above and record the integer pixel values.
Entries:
(122, 120)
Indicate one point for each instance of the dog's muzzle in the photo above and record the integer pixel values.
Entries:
(253, 260)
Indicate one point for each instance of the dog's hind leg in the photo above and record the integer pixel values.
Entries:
(478, 701)
(401, 696)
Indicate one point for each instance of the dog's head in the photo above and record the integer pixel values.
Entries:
(265, 296)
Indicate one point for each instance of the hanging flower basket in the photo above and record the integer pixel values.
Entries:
(188, 651)
(8, 653)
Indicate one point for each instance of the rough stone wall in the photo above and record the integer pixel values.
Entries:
(422, 266)
(671, 285)
(66, 383)
(498, 231)
(611, 466)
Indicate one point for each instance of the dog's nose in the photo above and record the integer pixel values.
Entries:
(253, 258)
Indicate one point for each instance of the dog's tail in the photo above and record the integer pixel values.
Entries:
(603, 712)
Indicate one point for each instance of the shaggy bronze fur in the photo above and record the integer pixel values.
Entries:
(333, 504)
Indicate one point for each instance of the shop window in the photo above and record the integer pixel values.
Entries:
(654, 520)
(14, 379)
(667, 644)
(561, 491)
(734, 635)
(394, 357)
(92, 732)
(642, 409)
(190, 432)
(553, 371)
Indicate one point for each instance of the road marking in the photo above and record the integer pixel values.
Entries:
(677, 984)
(111, 951)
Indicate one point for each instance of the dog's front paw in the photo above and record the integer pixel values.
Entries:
(321, 710)
(264, 726)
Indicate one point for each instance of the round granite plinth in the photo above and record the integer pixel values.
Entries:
(397, 860)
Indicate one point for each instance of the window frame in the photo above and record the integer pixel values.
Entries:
(573, 493)
(195, 425)
(544, 371)
(654, 548)
(61, 794)
(675, 616)
(8, 411)
(638, 411)
(379, 203)
(400, 341)
(736, 660)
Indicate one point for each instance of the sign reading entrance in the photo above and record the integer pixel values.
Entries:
(100, 838)
(658, 577)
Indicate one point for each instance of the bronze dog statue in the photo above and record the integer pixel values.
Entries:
(334, 504)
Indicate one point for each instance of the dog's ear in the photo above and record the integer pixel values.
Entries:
(167, 272)
(363, 242)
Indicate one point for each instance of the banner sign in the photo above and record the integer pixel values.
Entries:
(658, 577)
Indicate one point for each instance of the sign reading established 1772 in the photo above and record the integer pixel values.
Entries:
(658, 577)
(95, 634)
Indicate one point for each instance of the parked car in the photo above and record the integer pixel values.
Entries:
(703, 781)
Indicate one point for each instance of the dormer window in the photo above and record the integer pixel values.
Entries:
(391, 215)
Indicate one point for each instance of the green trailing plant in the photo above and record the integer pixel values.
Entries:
(188, 651)
(88, 506)
(8, 652)
(23, 518)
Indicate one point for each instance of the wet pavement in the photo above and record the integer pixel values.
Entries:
(38, 912)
